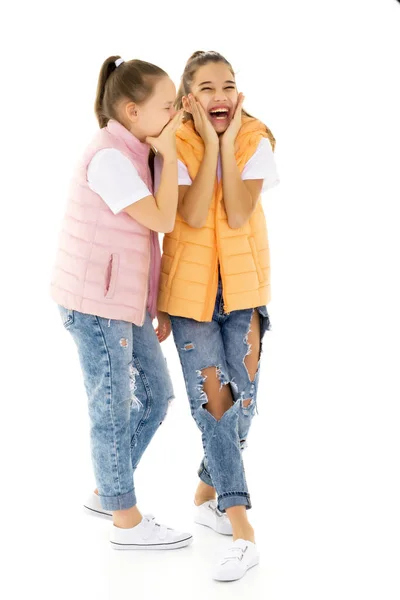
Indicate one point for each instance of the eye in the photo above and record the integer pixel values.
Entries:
(205, 89)
(231, 87)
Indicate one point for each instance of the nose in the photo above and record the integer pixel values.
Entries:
(220, 96)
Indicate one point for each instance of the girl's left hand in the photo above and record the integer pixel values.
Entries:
(231, 133)
(163, 328)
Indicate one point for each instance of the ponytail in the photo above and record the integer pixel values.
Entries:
(133, 80)
(107, 68)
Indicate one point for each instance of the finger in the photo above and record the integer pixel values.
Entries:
(178, 120)
(239, 105)
(174, 123)
(195, 108)
(201, 110)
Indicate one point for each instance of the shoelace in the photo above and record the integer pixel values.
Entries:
(150, 525)
(234, 553)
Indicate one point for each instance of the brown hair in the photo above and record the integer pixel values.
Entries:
(133, 80)
(199, 59)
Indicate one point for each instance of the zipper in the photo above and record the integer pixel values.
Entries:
(217, 213)
(212, 293)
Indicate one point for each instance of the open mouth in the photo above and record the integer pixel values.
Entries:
(219, 114)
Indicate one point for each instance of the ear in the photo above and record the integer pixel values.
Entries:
(186, 104)
(132, 111)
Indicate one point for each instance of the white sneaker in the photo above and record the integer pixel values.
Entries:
(236, 561)
(148, 535)
(93, 506)
(208, 514)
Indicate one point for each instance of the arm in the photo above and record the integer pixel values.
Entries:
(158, 212)
(195, 200)
(240, 197)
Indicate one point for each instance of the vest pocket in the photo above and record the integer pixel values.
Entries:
(174, 264)
(259, 270)
(111, 276)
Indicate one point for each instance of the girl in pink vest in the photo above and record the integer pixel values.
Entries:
(105, 282)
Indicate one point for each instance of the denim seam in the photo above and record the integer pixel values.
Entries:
(223, 499)
(229, 494)
(118, 481)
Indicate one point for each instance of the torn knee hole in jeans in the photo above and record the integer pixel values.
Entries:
(223, 380)
(203, 378)
(200, 388)
(133, 373)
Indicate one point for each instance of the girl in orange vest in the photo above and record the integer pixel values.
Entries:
(215, 285)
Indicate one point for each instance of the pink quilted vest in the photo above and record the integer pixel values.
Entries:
(107, 265)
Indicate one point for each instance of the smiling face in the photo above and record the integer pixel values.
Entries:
(214, 87)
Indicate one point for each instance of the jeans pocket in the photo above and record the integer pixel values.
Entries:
(67, 316)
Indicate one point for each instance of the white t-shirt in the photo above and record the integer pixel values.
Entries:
(112, 175)
(260, 166)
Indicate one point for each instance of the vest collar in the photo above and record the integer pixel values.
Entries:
(133, 144)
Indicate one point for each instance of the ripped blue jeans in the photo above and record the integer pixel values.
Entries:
(221, 343)
(128, 388)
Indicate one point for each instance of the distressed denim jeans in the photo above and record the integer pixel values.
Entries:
(128, 388)
(221, 343)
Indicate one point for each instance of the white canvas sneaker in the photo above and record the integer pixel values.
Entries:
(148, 535)
(236, 561)
(93, 506)
(208, 514)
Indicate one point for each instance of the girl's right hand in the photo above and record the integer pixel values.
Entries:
(203, 126)
(165, 143)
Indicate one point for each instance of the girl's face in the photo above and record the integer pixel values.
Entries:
(150, 117)
(214, 87)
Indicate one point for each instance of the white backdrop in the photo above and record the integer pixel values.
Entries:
(323, 459)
